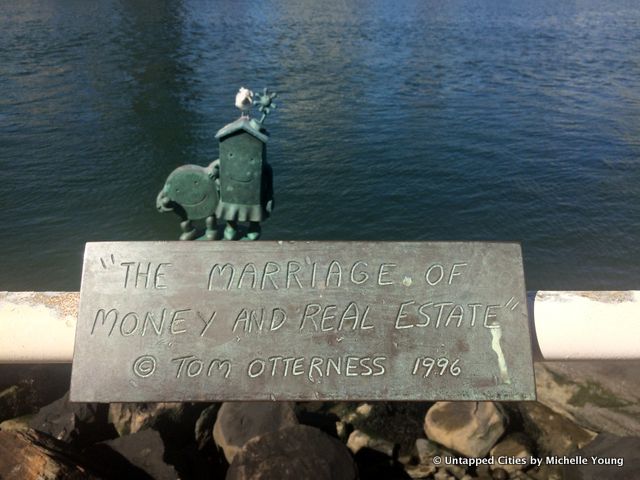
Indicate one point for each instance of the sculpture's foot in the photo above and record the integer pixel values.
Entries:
(253, 233)
(211, 231)
(189, 235)
(188, 232)
(230, 232)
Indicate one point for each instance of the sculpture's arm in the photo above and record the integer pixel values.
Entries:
(213, 170)
(268, 200)
(163, 202)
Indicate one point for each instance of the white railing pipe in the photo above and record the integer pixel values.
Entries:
(39, 327)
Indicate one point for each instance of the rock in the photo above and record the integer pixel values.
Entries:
(24, 389)
(483, 472)
(364, 409)
(11, 400)
(398, 423)
(442, 474)
(292, 453)
(341, 430)
(174, 421)
(500, 473)
(18, 424)
(358, 439)
(176, 424)
(361, 412)
(204, 426)
(314, 406)
(239, 422)
(145, 450)
(616, 457)
(598, 396)
(320, 415)
(513, 446)
(32, 455)
(373, 464)
(554, 434)
(520, 475)
(128, 418)
(426, 450)
(456, 470)
(469, 428)
(420, 471)
(77, 423)
(546, 472)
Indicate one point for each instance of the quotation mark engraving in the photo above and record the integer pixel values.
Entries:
(104, 263)
(513, 307)
(144, 366)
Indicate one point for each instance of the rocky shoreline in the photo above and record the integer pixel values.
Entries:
(586, 424)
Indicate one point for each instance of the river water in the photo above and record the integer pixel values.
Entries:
(405, 120)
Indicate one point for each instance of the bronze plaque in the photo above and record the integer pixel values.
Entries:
(209, 321)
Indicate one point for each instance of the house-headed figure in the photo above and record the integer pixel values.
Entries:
(245, 178)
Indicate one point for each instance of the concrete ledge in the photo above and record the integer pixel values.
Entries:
(39, 327)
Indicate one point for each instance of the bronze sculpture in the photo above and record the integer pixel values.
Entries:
(237, 187)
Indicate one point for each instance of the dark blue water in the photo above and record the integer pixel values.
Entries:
(404, 120)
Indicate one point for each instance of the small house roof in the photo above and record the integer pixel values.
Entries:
(250, 126)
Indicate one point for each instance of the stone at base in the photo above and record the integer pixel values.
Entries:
(426, 450)
(145, 450)
(10, 401)
(500, 474)
(204, 426)
(18, 424)
(230, 233)
(293, 453)
(358, 440)
(554, 433)
(72, 422)
(175, 420)
(514, 446)
(420, 471)
(239, 422)
(470, 428)
(616, 458)
(31, 455)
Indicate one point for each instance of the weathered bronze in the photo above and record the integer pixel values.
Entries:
(209, 321)
(191, 192)
(241, 179)
(246, 179)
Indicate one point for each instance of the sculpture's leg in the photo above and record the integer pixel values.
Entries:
(188, 230)
(231, 230)
(211, 228)
(253, 233)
